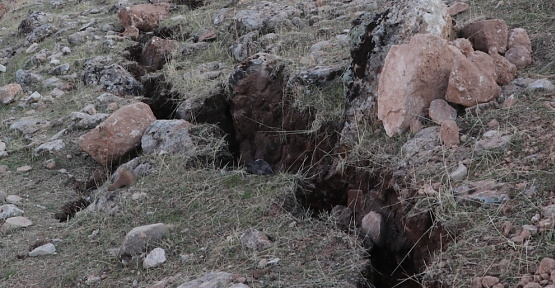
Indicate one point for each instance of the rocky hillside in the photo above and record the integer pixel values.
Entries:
(191, 143)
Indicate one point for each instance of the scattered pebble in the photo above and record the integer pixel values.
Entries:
(13, 199)
(156, 257)
(46, 249)
(26, 168)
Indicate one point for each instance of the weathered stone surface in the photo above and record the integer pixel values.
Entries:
(265, 17)
(29, 125)
(489, 281)
(155, 258)
(10, 93)
(41, 32)
(34, 20)
(413, 75)
(50, 147)
(472, 80)
(464, 45)
(118, 135)
(547, 265)
(440, 111)
(519, 37)
(255, 239)
(488, 34)
(27, 79)
(519, 56)
(101, 71)
(46, 249)
(167, 136)
(144, 17)
(210, 280)
(504, 69)
(369, 48)
(372, 225)
(449, 133)
(156, 52)
(136, 240)
(13, 223)
(9, 210)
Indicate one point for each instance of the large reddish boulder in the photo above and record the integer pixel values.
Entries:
(487, 34)
(413, 75)
(472, 80)
(142, 17)
(119, 134)
(157, 52)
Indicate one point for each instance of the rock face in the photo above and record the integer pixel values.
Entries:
(472, 80)
(9, 93)
(118, 135)
(487, 35)
(413, 75)
(167, 136)
(370, 45)
(142, 17)
(136, 240)
(157, 51)
(260, 107)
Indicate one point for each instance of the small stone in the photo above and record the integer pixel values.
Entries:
(518, 239)
(156, 257)
(440, 111)
(15, 223)
(519, 56)
(66, 50)
(547, 265)
(507, 227)
(255, 239)
(509, 102)
(489, 281)
(138, 195)
(50, 164)
(541, 85)
(50, 147)
(26, 168)
(531, 228)
(32, 49)
(46, 249)
(460, 173)
(476, 282)
(9, 210)
(372, 226)
(449, 133)
(493, 123)
(92, 279)
(136, 240)
(2, 68)
(525, 234)
(272, 262)
(186, 257)
(532, 285)
(262, 263)
(112, 106)
(13, 199)
(89, 109)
